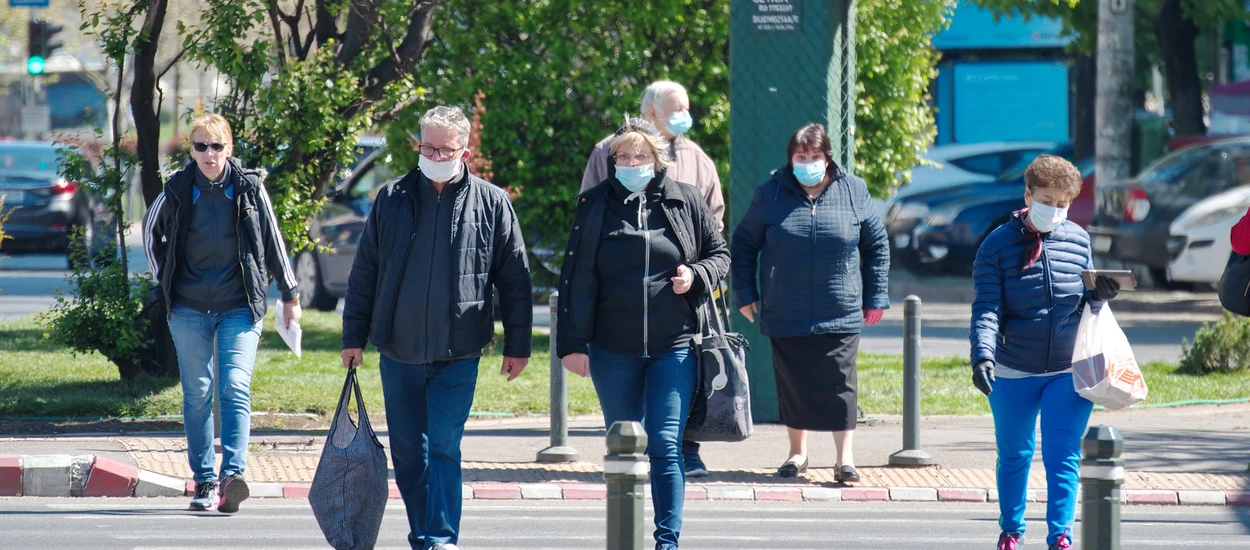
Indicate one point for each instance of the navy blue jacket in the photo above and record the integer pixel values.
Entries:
(1027, 317)
(821, 264)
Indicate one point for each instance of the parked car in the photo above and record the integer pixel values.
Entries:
(1134, 218)
(964, 164)
(1199, 246)
(45, 207)
(323, 276)
(904, 215)
(948, 238)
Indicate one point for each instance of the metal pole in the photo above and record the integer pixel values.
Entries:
(559, 451)
(625, 471)
(911, 455)
(1102, 474)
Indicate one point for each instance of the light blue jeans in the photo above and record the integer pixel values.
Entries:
(231, 338)
(1016, 403)
(657, 392)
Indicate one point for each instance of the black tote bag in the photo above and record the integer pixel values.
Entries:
(1234, 285)
(721, 408)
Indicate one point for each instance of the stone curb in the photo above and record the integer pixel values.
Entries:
(89, 475)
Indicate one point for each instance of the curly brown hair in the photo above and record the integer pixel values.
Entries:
(1054, 172)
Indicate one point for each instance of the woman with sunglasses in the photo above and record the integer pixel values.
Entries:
(212, 243)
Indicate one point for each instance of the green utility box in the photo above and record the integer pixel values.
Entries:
(791, 63)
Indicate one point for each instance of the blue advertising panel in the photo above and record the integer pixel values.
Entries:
(28, 3)
(1010, 101)
(974, 28)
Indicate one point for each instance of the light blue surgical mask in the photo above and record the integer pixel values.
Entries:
(1045, 218)
(810, 173)
(635, 178)
(679, 122)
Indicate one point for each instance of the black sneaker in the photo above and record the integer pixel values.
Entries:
(205, 496)
(233, 491)
(694, 465)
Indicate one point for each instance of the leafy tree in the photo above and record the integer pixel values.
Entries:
(895, 63)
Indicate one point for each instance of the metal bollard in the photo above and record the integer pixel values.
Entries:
(1102, 474)
(911, 455)
(559, 451)
(625, 470)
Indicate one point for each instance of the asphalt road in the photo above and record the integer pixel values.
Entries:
(151, 524)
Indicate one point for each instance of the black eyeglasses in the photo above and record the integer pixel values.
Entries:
(430, 151)
(200, 146)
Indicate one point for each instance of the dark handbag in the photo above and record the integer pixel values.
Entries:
(349, 490)
(721, 408)
(1235, 285)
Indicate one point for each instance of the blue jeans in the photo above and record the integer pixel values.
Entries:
(230, 338)
(657, 392)
(426, 408)
(1015, 404)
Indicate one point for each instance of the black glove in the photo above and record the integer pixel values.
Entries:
(1106, 288)
(983, 376)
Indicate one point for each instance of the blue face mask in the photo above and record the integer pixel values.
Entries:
(679, 123)
(635, 178)
(810, 173)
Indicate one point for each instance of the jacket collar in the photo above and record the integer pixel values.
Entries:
(666, 187)
(181, 184)
(409, 184)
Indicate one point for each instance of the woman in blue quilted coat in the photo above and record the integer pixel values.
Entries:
(1029, 301)
(822, 259)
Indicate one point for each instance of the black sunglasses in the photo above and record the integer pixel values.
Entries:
(200, 146)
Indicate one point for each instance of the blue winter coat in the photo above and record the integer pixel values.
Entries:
(1023, 317)
(821, 264)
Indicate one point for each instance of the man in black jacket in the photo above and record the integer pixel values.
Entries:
(436, 244)
(212, 243)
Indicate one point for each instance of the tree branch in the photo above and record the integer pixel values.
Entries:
(325, 27)
(274, 12)
(420, 35)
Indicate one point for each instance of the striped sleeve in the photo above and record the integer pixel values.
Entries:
(279, 262)
(152, 235)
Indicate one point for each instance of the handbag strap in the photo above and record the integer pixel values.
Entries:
(362, 416)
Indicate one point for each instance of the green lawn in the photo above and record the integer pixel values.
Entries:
(40, 380)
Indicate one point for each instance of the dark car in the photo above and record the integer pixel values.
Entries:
(45, 207)
(323, 276)
(904, 216)
(1133, 218)
(947, 240)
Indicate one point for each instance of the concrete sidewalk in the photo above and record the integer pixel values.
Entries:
(1187, 455)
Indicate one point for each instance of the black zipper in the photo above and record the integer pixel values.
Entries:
(1050, 305)
(429, 282)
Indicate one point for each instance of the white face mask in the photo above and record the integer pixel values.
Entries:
(1045, 218)
(439, 171)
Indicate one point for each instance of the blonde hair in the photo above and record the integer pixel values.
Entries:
(213, 125)
(1054, 172)
(633, 141)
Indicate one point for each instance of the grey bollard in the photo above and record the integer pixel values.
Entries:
(1102, 474)
(911, 455)
(559, 451)
(625, 470)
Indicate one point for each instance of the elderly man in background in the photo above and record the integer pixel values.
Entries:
(667, 106)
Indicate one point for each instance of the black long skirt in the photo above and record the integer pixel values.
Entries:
(816, 381)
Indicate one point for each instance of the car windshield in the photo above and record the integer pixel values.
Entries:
(375, 176)
(28, 159)
(1171, 167)
(1017, 172)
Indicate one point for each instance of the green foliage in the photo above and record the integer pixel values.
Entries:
(895, 63)
(556, 78)
(1224, 346)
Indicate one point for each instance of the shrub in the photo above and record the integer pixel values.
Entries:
(1224, 346)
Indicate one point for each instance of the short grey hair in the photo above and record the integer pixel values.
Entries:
(447, 118)
(657, 92)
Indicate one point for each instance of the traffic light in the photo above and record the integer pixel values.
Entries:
(39, 44)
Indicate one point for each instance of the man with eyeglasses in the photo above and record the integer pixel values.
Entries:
(667, 106)
(212, 243)
(437, 243)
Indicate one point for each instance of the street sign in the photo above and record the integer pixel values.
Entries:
(36, 119)
(28, 3)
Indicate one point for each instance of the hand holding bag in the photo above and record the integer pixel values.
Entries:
(721, 408)
(349, 490)
(1104, 370)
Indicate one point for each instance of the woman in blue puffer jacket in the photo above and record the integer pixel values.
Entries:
(1029, 301)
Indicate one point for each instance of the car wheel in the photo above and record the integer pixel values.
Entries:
(312, 293)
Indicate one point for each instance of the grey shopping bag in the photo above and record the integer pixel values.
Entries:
(349, 490)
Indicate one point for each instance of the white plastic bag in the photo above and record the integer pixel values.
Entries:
(1104, 370)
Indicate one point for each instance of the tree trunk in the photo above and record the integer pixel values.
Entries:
(1086, 77)
(159, 357)
(1176, 34)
